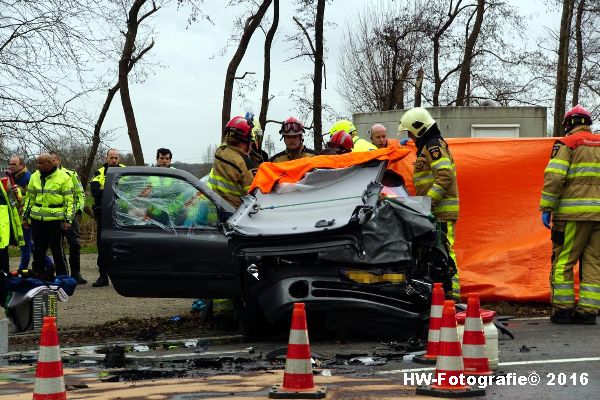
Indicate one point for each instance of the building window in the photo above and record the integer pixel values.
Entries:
(495, 130)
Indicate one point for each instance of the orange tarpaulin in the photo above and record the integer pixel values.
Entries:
(292, 171)
(503, 250)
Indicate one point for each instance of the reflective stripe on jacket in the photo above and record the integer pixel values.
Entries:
(78, 192)
(51, 198)
(232, 174)
(572, 178)
(435, 176)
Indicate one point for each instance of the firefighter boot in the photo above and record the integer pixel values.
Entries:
(584, 318)
(101, 281)
(561, 316)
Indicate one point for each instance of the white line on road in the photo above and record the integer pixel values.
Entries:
(502, 364)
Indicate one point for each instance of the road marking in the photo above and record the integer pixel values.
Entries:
(502, 364)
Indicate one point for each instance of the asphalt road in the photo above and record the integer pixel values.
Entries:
(565, 358)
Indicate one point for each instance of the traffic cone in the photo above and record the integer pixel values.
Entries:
(298, 376)
(473, 345)
(49, 379)
(449, 373)
(435, 321)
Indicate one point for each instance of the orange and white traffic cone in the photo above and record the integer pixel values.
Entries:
(435, 321)
(449, 371)
(298, 376)
(49, 379)
(473, 345)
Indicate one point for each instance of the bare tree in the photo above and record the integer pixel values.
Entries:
(46, 50)
(387, 45)
(250, 25)
(125, 63)
(265, 99)
(318, 74)
(579, 55)
(562, 69)
(465, 68)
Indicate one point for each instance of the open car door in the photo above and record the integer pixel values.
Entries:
(161, 237)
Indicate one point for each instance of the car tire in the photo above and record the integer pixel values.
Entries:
(252, 322)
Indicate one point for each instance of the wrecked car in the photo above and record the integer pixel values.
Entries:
(349, 242)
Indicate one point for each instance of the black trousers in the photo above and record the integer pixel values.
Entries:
(100, 259)
(73, 239)
(48, 234)
(4, 262)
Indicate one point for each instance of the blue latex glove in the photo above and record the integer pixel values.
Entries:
(546, 219)
(404, 141)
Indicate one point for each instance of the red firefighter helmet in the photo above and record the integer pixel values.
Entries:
(291, 127)
(238, 128)
(341, 140)
(576, 116)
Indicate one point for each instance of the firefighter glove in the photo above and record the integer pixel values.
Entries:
(546, 218)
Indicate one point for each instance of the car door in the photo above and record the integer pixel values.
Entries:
(160, 235)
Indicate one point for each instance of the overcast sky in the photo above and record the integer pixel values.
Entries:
(179, 105)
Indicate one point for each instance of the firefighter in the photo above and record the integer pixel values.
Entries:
(435, 177)
(360, 144)
(233, 170)
(49, 210)
(379, 137)
(570, 198)
(292, 131)
(72, 234)
(113, 159)
(257, 154)
(340, 143)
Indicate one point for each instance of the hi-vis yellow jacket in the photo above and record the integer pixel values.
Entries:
(435, 176)
(11, 230)
(50, 198)
(572, 178)
(232, 174)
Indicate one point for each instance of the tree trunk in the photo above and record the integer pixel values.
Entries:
(264, 106)
(86, 169)
(418, 87)
(126, 57)
(318, 76)
(251, 24)
(579, 55)
(562, 68)
(465, 70)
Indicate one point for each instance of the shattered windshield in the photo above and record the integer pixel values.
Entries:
(164, 202)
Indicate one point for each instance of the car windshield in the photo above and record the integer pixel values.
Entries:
(164, 202)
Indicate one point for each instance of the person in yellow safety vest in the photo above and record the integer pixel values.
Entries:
(11, 230)
(113, 159)
(49, 208)
(571, 198)
(379, 137)
(360, 144)
(434, 176)
(233, 170)
(292, 134)
(72, 234)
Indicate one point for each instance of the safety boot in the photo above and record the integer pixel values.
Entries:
(101, 281)
(584, 318)
(561, 316)
(79, 279)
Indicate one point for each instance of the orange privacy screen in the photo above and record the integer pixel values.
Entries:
(502, 248)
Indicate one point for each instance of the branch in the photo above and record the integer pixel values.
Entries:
(149, 13)
(243, 76)
(135, 59)
(312, 47)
